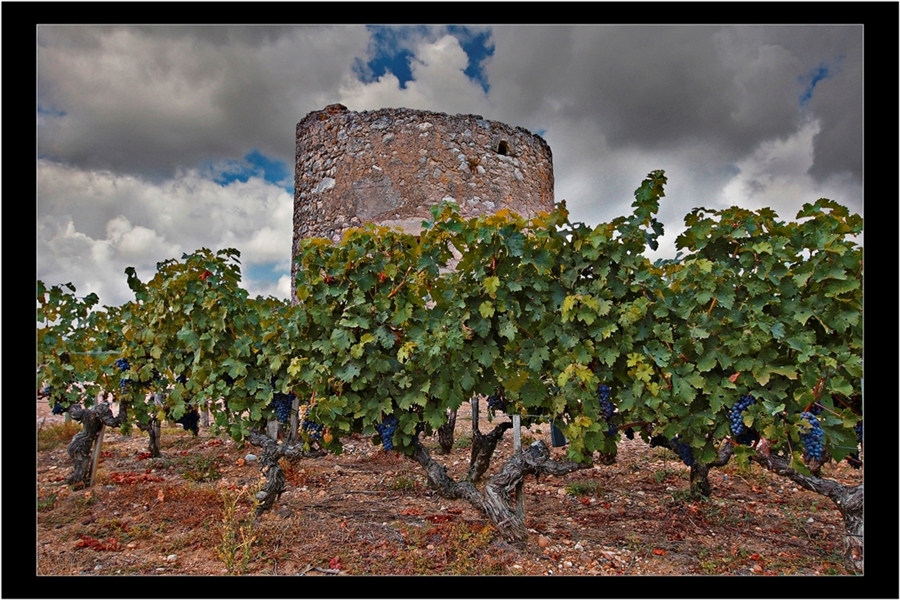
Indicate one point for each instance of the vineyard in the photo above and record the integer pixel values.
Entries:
(727, 381)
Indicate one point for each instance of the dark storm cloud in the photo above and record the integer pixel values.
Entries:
(152, 99)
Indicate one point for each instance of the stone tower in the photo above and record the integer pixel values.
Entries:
(390, 166)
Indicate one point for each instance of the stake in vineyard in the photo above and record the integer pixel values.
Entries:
(747, 346)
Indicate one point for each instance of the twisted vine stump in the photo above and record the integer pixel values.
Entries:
(700, 487)
(446, 431)
(92, 420)
(483, 447)
(848, 499)
(154, 431)
(272, 452)
(495, 501)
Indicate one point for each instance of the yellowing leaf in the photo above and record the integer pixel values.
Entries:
(491, 284)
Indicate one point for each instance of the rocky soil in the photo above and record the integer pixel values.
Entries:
(371, 512)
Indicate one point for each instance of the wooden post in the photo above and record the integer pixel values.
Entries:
(295, 418)
(517, 447)
(475, 401)
(95, 457)
(204, 415)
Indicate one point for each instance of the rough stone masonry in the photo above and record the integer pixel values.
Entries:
(390, 166)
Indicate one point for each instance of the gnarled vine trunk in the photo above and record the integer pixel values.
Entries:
(700, 487)
(80, 448)
(848, 499)
(495, 500)
(272, 451)
(154, 432)
(483, 447)
(446, 431)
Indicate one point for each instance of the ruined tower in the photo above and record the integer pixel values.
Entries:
(390, 166)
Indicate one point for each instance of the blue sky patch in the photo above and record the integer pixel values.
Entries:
(479, 47)
(391, 50)
(254, 164)
(268, 272)
(811, 79)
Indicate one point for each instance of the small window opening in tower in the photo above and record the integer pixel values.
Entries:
(503, 148)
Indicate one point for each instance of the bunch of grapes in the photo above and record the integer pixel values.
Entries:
(282, 404)
(607, 408)
(813, 436)
(190, 420)
(58, 409)
(313, 429)
(122, 364)
(496, 402)
(683, 451)
(736, 415)
(816, 409)
(386, 430)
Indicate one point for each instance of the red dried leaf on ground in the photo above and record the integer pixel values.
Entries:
(86, 541)
(659, 552)
(335, 563)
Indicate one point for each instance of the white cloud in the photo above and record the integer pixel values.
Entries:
(439, 83)
(106, 222)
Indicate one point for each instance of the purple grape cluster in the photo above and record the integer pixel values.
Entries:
(122, 364)
(816, 409)
(683, 451)
(607, 408)
(282, 403)
(736, 417)
(813, 437)
(58, 409)
(386, 430)
(313, 429)
(190, 420)
(496, 402)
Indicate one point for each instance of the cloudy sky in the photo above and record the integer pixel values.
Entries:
(153, 141)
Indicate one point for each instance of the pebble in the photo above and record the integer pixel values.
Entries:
(250, 458)
(171, 558)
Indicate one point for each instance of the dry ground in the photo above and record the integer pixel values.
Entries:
(370, 512)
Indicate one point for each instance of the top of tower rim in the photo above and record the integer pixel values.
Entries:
(337, 109)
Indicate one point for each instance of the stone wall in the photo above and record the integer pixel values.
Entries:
(390, 166)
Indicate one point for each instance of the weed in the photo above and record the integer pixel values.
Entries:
(462, 441)
(46, 503)
(661, 475)
(680, 496)
(403, 483)
(201, 468)
(237, 534)
(57, 435)
(585, 488)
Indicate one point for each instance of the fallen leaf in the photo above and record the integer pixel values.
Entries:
(160, 496)
(659, 552)
(733, 378)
